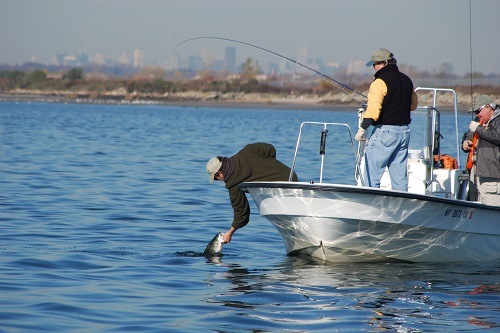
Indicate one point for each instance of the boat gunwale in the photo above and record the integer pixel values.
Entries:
(365, 190)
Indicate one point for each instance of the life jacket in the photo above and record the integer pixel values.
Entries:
(446, 162)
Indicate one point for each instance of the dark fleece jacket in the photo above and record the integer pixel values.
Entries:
(255, 162)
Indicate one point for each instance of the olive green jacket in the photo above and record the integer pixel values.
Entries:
(255, 162)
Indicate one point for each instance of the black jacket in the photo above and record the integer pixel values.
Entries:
(255, 162)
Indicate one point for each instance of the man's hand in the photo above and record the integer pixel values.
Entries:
(473, 126)
(228, 235)
(360, 136)
(467, 145)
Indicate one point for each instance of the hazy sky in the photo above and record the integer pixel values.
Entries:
(421, 33)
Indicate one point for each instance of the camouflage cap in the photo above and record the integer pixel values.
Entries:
(481, 101)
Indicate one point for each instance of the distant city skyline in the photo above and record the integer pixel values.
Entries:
(217, 63)
(424, 34)
(203, 61)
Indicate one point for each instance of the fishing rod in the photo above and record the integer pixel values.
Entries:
(322, 76)
(470, 55)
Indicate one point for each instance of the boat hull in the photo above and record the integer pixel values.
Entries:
(344, 223)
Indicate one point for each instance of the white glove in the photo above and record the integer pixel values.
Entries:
(473, 126)
(360, 136)
(466, 145)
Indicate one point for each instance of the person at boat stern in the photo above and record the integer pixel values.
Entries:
(255, 162)
(391, 98)
(486, 168)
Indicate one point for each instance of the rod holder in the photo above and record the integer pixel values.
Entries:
(322, 144)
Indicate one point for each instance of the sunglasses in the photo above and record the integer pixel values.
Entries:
(481, 109)
(378, 63)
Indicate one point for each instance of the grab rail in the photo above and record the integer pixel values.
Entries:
(455, 109)
(322, 150)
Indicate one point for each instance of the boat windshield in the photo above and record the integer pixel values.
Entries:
(425, 135)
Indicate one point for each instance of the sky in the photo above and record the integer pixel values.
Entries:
(421, 33)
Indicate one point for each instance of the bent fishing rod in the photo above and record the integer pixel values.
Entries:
(322, 76)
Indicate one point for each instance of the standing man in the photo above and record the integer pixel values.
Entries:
(255, 162)
(487, 163)
(390, 99)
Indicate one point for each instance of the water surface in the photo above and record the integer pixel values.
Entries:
(105, 210)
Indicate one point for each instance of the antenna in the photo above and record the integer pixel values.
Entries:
(470, 53)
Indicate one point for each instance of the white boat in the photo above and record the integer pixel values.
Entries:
(432, 222)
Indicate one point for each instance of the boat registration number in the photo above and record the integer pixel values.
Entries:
(458, 213)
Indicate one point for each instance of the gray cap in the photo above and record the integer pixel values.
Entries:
(213, 166)
(380, 55)
(481, 101)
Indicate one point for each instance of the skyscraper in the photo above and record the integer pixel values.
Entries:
(138, 58)
(230, 60)
(123, 59)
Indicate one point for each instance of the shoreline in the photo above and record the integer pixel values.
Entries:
(328, 102)
(249, 101)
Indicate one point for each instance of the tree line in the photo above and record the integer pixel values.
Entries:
(154, 81)
(147, 82)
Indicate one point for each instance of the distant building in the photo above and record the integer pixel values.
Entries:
(230, 60)
(82, 59)
(357, 67)
(333, 65)
(273, 68)
(70, 60)
(218, 65)
(195, 63)
(138, 58)
(301, 55)
(60, 58)
(101, 60)
(320, 65)
(123, 59)
(173, 63)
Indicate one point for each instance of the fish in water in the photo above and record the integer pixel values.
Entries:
(214, 247)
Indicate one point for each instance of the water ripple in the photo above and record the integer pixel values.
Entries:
(105, 211)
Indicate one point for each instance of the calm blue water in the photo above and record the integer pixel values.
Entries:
(105, 210)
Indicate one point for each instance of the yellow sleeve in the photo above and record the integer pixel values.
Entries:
(376, 94)
(414, 101)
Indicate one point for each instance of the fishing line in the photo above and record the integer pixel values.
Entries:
(322, 76)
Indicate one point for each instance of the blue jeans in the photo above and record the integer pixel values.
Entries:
(388, 147)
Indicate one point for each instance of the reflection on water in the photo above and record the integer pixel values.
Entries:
(311, 294)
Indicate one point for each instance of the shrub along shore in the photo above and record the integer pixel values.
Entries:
(74, 87)
(302, 100)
